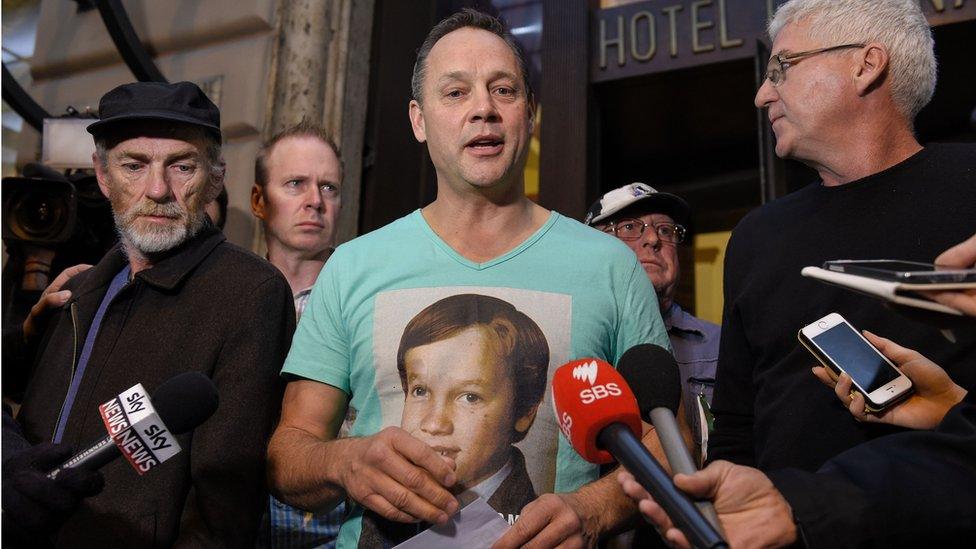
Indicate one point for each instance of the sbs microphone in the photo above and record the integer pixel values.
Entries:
(181, 403)
(654, 377)
(598, 413)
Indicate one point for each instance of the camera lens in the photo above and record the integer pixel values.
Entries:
(38, 215)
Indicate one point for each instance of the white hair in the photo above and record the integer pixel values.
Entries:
(898, 24)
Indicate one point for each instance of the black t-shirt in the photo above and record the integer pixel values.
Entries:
(771, 412)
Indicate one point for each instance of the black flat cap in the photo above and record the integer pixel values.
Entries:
(182, 102)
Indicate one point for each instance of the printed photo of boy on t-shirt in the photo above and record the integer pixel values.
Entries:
(473, 370)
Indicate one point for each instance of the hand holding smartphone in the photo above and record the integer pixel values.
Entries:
(840, 348)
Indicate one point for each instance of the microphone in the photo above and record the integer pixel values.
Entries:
(598, 413)
(144, 430)
(656, 381)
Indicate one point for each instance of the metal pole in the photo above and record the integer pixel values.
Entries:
(133, 52)
(21, 102)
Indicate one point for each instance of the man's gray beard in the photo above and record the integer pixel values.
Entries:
(159, 239)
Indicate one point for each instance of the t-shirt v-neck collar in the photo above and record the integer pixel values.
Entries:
(452, 253)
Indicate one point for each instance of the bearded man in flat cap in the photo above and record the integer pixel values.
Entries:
(173, 296)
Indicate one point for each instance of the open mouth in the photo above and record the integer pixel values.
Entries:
(487, 144)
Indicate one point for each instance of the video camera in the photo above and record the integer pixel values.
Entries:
(45, 208)
(52, 219)
(51, 209)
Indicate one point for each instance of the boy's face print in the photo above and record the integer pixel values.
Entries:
(460, 400)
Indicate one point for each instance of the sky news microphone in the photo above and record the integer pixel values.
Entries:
(653, 375)
(144, 430)
(598, 413)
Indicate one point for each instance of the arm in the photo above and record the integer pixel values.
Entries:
(856, 499)
(311, 414)
(391, 472)
(752, 512)
(21, 343)
(903, 489)
(227, 494)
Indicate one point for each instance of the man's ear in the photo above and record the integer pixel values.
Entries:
(872, 64)
(417, 121)
(100, 175)
(523, 423)
(257, 201)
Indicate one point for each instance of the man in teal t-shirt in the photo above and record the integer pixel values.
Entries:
(440, 331)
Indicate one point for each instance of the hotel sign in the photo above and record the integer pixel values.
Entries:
(661, 35)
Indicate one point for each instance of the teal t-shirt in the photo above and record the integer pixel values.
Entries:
(460, 354)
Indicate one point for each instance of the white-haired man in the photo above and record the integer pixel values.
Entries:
(910, 489)
(843, 87)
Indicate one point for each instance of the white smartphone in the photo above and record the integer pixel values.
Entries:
(841, 348)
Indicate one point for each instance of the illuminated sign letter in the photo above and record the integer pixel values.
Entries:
(673, 26)
(618, 42)
(697, 24)
(651, 36)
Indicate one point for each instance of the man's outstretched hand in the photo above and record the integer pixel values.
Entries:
(752, 511)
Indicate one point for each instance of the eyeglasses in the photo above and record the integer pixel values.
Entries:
(778, 63)
(632, 229)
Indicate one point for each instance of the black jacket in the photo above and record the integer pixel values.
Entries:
(770, 411)
(912, 489)
(210, 307)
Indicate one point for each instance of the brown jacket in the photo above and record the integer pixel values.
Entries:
(210, 307)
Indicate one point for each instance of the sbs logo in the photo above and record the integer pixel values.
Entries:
(586, 372)
(599, 391)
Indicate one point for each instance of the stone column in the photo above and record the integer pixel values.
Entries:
(320, 71)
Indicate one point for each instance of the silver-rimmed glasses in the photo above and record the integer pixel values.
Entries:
(632, 229)
(778, 63)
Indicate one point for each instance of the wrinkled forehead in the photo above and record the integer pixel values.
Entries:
(470, 50)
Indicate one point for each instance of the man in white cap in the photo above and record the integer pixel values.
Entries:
(653, 224)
